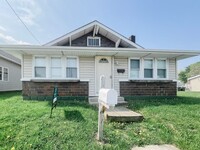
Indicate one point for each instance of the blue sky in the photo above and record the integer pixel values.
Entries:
(169, 24)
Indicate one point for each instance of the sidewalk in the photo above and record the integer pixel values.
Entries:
(156, 147)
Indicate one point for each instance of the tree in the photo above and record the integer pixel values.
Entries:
(194, 69)
(182, 76)
(190, 71)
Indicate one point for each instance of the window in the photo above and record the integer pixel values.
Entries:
(148, 68)
(5, 74)
(1, 73)
(103, 60)
(56, 67)
(161, 69)
(134, 68)
(93, 41)
(71, 69)
(40, 67)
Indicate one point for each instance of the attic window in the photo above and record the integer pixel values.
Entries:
(94, 41)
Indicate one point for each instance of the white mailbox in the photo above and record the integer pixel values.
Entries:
(108, 97)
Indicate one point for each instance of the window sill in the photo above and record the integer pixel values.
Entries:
(150, 80)
(55, 80)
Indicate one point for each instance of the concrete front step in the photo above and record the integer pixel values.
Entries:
(122, 114)
(94, 101)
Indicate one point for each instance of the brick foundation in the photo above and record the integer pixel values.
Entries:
(45, 89)
(148, 88)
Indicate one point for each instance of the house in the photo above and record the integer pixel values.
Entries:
(193, 83)
(75, 62)
(10, 72)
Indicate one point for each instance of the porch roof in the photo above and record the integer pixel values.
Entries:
(98, 51)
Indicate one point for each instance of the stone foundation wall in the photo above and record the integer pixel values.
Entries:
(148, 88)
(45, 89)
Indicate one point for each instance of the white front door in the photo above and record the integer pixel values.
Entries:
(103, 67)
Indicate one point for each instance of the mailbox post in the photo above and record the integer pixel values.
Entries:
(107, 99)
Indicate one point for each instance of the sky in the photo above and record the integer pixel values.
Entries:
(169, 24)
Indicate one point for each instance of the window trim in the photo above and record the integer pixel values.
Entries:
(153, 68)
(50, 67)
(155, 77)
(129, 68)
(1, 79)
(3, 74)
(46, 66)
(91, 37)
(167, 68)
(77, 65)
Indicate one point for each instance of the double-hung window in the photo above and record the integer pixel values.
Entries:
(93, 41)
(1, 73)
(148, 68)
(40, 67)
(161, 69)
(134, 68)
(5, 74)
(56, 68)
(72, 67)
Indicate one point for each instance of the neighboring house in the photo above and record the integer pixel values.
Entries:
(74, 63)
(10, 72)
(193, 83)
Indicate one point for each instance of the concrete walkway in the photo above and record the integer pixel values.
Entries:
(122, 114)
(156, 147)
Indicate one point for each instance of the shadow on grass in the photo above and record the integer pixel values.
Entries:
(9, 94)
(73, 103)
(74, 116)
(137, 103)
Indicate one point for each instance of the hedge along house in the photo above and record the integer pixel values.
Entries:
(74, 63)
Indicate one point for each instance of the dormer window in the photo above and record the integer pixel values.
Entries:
(94, 41)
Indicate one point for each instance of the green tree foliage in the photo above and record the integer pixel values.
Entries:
(190, 71)
(182, 76)
(194, 70)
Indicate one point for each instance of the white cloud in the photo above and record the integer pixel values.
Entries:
(28, 10)
(2, 28)
(11, 40)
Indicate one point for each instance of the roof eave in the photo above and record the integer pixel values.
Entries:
(178, 54)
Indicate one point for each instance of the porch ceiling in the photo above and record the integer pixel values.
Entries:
(96, 51)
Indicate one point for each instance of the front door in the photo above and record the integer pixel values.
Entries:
(103, 67)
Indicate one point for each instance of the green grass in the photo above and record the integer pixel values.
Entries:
(26, 124)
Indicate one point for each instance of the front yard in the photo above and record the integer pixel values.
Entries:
(26, 124)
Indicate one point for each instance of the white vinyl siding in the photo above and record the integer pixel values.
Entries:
(27, 66)
(13, 77)
(120, 63)
(87, 72)
(172, 69)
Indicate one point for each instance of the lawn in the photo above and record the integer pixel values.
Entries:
(26, 124)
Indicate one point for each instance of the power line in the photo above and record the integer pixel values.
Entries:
(23, 23)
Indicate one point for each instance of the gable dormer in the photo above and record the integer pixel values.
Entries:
(93, 34)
